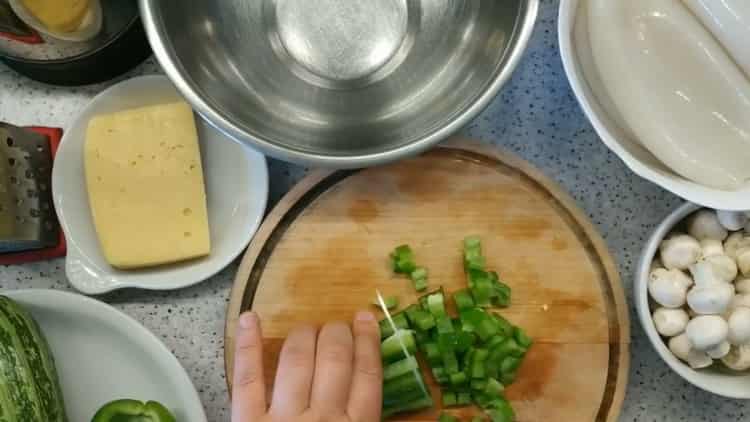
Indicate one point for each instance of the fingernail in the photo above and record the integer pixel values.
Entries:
(364, 316)
(248, 320)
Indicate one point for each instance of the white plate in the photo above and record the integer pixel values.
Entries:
(588, 88)
(236, 187)
(102, 355)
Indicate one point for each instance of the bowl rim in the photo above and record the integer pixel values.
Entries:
(640, 293)
(166, 56)
(712, 198)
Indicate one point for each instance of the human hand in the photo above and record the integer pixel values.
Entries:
(334, 375)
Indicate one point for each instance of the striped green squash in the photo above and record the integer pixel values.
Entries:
(29, 388)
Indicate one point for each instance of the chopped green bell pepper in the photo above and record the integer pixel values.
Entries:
(463, 300)
(402, 260)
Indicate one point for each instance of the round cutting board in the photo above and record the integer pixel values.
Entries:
(324, 249)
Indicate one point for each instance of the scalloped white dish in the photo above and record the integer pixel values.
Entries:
(607, 120)
(101, 355)
(236, 179)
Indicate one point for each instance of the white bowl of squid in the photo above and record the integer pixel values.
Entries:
(666, 85)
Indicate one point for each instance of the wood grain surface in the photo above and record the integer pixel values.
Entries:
(323, 251)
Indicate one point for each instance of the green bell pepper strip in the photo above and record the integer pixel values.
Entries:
(422, 338)
(440, 375)
(444, 325)
(432, 353)
(506, 328)
(463, 300)
(510, 364)
(405, 384)
(133, 410)
(473, 258)
(419, 279)
(423, 320)
(391, 350)
(509, 347)
(399, 320)
(493, 387)
(478, 419)
(449, 398)
(444, 417)
(499, 410)
(482, 292)
(477, 368)
(419, 272)
(463, 398)
(494, 341)
(486, 329)
(396, 369)
(418, 404)
(458, 378)
(402, 260)
(465, 341)
(450, 362)
(507, 378)
(420, 284)
(478, 384)
(436, 304)
(522, 338)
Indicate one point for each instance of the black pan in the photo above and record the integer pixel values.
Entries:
(121, 45)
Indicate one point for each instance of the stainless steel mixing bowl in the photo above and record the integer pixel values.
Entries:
(340, 83)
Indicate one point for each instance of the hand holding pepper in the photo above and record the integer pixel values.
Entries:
(331, 375)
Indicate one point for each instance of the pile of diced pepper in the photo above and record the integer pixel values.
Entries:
(473, 356)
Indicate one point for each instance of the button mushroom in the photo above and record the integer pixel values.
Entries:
(706, 332)
(670, 322)
(704, 273)
(711, 299)
(739, 326)
(668, 288)
(719, 351)
(680, 252)
(725, 267)
(743, 259)
(738, 301)
(742, 285)
(738, 358)
(732, 220)
(680, 346)
(711, 247)
(705, 224)
(733, 242)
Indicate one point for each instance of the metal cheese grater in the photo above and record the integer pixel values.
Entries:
(27, 216)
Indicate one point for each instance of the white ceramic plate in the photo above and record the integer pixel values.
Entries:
(236, 187)
(102, 355)
(575, 51)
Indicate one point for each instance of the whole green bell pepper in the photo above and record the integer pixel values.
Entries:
(133, 410)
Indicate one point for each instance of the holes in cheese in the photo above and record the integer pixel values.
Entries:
(147, 211)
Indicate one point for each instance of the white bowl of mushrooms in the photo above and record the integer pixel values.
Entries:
(692, 293)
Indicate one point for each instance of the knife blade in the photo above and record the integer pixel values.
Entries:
(387, 314)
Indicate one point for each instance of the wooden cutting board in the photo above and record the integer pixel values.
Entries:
(323, 251)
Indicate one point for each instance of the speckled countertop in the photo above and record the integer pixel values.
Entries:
(535, 116)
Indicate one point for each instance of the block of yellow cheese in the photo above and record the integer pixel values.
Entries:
(58, 15)
(145, 185)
